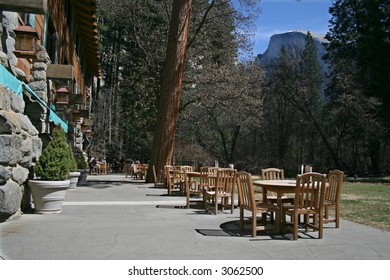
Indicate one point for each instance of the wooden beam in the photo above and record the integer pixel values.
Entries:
(25, 6)
(59, 71)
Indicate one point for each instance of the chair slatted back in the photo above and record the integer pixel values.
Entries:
(204, 177)
(212, 177)
(310, 191)
(335, 183)
(272, 174)
(169, 177)
(246, 193)
(225, 180)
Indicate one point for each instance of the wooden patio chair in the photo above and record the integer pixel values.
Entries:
(143, 171)
(158, 180)
(102, 168)
(332, 196)
(309, 202)
(194, 190)
(223, 189)
(274, 174)
(247, 201)
(204, 177)
(170, 180)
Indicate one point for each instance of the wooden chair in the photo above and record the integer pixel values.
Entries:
(274, 174)
(102, 168)
(128, 170)
(193, 189)
(142, 171)
(178, 178)
(223, 189)
(158, 180)
(204, 177)
(169, 175)
(212, 177)
(247, 201)
(332, 196)
(309, 202)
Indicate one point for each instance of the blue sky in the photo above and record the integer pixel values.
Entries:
(279, 16)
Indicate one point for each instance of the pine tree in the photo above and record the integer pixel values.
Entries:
(360, 65)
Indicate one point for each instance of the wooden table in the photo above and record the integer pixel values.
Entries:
(279, 187)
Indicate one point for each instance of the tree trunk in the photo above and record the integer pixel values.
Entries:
(171, 86)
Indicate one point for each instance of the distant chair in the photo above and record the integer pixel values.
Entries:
(272, 174)
(158, 180)
(102, 168)
(194, 190)
(275, 174)
(246, 198)
(332, 196)
(142, 171)
(223, 190)
(169, 176)
(204, 177)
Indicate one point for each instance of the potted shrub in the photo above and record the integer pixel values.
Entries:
(73, 172)
(52, 172)
(82, 167)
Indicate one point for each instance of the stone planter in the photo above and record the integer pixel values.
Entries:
(48, 195)
(83, 177)
(73, 178)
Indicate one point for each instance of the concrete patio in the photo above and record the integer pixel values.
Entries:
(116, 218)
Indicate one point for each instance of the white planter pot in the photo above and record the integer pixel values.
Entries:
(48, 195)
(73, 177)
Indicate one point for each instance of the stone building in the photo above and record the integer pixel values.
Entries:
(49, 71)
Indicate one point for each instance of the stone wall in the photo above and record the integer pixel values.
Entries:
(20, 146)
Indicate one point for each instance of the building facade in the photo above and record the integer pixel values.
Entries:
(49, 71)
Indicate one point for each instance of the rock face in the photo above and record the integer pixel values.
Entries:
(294, 43)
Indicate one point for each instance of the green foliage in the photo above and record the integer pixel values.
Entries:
(72, 160)
(54, 163)
(81, 162)
(359, 74)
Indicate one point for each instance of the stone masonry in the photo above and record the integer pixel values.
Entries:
(20, 145)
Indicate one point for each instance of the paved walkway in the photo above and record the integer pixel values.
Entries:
(115, 218)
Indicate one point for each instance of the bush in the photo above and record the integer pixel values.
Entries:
(55, 162)
(81, 162)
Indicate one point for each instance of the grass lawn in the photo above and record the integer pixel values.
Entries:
(366, 203)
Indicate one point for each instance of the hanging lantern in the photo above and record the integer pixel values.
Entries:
(26, 37)
(62, 96)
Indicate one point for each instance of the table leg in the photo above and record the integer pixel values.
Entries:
(264, 215)
(278, 219)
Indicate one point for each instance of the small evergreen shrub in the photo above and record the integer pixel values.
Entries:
(54, 162)
(81, 162)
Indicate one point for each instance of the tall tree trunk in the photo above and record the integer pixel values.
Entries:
(171, 86)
